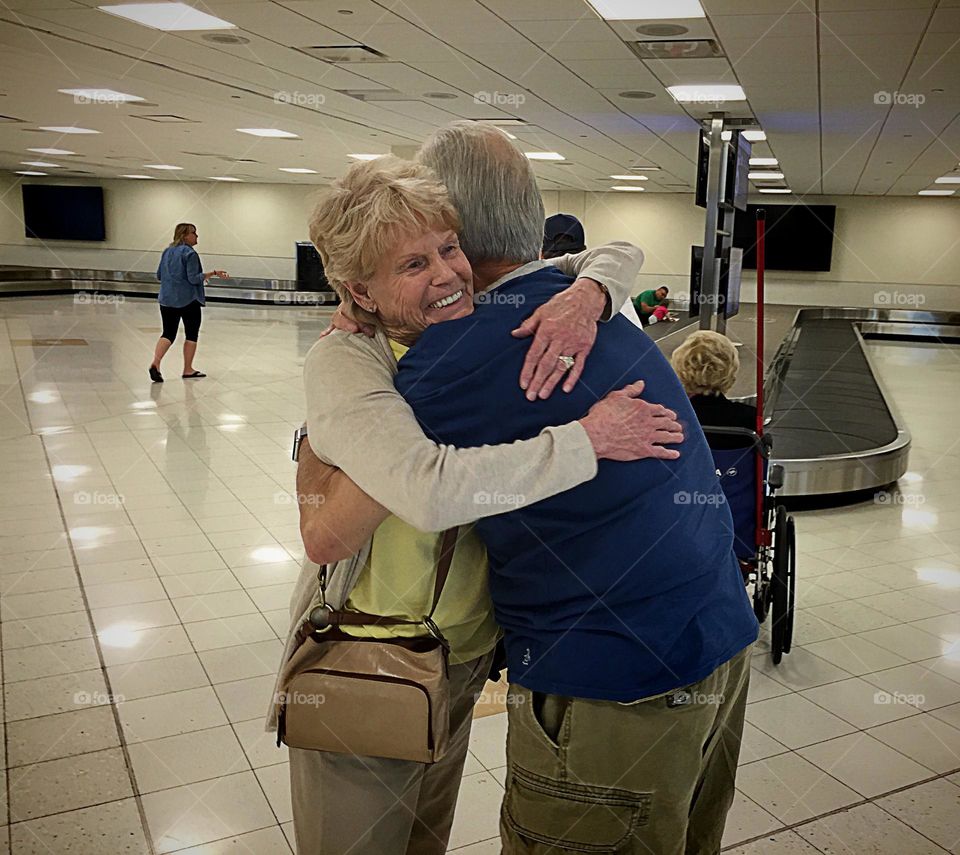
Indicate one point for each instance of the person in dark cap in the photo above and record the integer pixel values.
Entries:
(562, 234)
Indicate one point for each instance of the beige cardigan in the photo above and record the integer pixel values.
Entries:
(357, 421)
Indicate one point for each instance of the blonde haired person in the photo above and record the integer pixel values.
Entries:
(181, 298)
(707, 365)
(388, 236)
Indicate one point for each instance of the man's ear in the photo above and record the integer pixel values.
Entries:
(362, 296)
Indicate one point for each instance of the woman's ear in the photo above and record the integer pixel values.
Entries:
(362, 296)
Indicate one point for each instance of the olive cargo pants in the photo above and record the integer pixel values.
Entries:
(653, 777)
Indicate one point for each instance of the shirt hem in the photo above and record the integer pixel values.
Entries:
(592, 693)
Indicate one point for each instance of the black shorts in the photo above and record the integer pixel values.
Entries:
(171, 321)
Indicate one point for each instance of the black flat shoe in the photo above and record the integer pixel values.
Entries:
(155, 375)
(195, 376)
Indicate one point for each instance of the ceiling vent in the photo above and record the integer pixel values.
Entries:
(9, 119)
(662, 30)
(167, 119)
(693, 49)
(376, 94)
(225, 39)
(344, 54)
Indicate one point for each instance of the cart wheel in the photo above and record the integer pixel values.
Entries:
(792, 580)
(779, 586)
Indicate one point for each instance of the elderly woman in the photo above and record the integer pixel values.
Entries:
(707, 365)
(388, 235)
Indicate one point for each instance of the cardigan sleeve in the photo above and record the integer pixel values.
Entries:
(615, 266)
(357, 421)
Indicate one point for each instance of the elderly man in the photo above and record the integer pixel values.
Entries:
(388, 227)
(627, 627)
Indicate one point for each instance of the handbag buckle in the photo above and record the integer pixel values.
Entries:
(320, 617)
(434, 630)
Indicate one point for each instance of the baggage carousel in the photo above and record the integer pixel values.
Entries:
(35, 281)
(835, 428)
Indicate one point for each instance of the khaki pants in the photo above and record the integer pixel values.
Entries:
(349, 805)
(655, 777)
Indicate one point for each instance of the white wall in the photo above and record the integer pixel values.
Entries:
(245, 229)
(907, 248)
(890, 251)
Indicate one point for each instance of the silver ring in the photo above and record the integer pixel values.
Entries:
(567, 362)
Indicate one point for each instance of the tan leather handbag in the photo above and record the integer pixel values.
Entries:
(371, 697)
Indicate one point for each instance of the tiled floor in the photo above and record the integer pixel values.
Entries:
(148, 545)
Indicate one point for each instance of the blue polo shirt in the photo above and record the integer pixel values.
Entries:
(624, 587)
(181, 277)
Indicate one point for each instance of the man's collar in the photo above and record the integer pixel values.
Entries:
(522, 270)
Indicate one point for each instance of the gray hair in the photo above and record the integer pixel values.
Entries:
(494, 189)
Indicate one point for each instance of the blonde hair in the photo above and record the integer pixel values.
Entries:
(706, 363)
(180, 231)
(367, 211)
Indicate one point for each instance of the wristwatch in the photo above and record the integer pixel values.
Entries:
(299, 435)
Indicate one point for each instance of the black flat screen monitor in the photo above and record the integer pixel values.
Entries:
(730, 274)
(738, 167)
(798, 237)
(696, 280)
(703, 169)
(310, 275)
(57, 212)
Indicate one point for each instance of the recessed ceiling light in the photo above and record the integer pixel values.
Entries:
(647, 10)
(41, 163)
(299, 170)
(161, 166)
(644, 168)
(630, 177)
(627, 189)
(28, 172)
(775, 190)
(168, 16)
(273, 133)
(948, 179)
(151, 177)
(224, 178)
(763, 161)
(707, 93)
(544, 155)
(936, 193)
(51, 151)
(364, 156)
(749, 136)
(99, 96)
(765, 176)
(69, 130)
(638, 94)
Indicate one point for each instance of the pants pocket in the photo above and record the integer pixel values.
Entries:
(543, 815)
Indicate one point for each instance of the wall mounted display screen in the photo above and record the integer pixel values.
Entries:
(730, 268)
(798, 237)
(55, 212)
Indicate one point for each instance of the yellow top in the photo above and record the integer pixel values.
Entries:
(398, 581)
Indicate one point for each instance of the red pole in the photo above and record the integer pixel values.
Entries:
(761, 261)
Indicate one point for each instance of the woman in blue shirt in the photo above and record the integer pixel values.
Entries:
(181, 297)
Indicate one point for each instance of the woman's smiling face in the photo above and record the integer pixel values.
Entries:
(422, 279)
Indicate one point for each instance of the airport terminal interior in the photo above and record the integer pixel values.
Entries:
(149, 532)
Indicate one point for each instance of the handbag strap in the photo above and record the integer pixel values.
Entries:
(338, 617)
